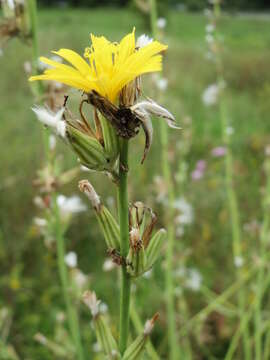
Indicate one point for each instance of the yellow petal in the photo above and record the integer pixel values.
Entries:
(76, 60)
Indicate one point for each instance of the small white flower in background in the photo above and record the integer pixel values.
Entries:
(186, 211)
(40, 222)
(194, 280)
(70, 205)
(60, 317)
(110, 201)
(238, 261)
(38, 201)
(209, 28)
(40, 338)
(180, 272)
(71, 259)
(179, 231)
(97, 347)
(91, 301)
(27, 67)
(209, 38)
(210, 95)
(161, 23)
(143, 40)
(11, 4)
(108, 265)
(79, 278)
(103, 308)
(162, 84)
(229, 130)
(53, 120)
(52, 142)
(148, 274)
(267, 150)
(207, 12)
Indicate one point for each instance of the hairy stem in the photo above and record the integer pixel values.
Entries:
(124, 246)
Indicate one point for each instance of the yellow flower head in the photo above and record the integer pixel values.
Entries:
(110, 65)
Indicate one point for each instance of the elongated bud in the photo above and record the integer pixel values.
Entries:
(102, 329)
(135, 350)
(154, 248)
(56, 349)
(107, 222)
(90, 152)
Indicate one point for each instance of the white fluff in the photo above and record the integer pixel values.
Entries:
(210, 95)
(53, 120)
(70, 205)
(162, 84)
(71, 259)
(161, 23)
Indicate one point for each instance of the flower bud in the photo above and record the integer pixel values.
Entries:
(134, 351)
(103, 331)
(154, 248)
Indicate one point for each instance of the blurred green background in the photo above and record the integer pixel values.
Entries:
(29, 286)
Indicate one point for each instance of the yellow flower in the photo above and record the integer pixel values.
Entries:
(110, 65)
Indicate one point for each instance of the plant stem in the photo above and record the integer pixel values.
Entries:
(231, 194)
(172, 336)
(73, 321)
(261, 274)
(32, 11)
(124, 246)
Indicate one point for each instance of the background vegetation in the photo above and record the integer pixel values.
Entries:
(29, 286)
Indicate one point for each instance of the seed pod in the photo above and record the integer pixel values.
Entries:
(109, 227)
(105, 338)
(135, 350)
(106, 221)
(154, 248)
(102, 329)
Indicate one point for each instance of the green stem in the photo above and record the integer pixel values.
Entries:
(219, 300)
(32, 11)
(172, 335)
(73, 321)
(124, 246)
(261, 274)
(231, 194)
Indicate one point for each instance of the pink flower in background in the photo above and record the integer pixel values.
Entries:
(219, 151)
(199, 170)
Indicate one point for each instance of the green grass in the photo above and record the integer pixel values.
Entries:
(22, 255)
